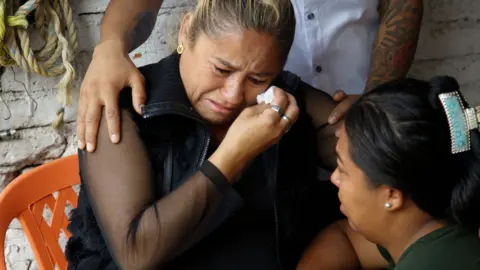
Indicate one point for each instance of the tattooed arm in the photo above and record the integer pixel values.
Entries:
(396, 41)
(392, 51)
(130, 22)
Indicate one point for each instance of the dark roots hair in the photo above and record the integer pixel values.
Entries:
(400, 137)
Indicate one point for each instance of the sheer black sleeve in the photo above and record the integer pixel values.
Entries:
(142, 232)
(319, 105)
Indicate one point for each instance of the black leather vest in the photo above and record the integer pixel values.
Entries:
(177, 140)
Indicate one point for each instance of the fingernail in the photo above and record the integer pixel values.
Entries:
(140, 106)
(89, 147)
(337, 133)
(114, 138)
(332, 120)
(81, 145)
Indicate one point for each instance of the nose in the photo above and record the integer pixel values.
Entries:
(335, 178)
(233, 91)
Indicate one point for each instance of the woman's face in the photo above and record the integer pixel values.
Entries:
(223, 75)
(363, 204)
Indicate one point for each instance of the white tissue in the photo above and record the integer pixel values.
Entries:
(266, 97)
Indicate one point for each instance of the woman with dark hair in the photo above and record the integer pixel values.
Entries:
(408, 173)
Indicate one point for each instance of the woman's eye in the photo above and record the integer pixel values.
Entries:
(258, 82)
(221, 70)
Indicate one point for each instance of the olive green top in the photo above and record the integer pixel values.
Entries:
(448, 248)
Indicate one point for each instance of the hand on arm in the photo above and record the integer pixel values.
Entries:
(393, 49)
(319, 106)
(126, 25)
(396, 41)
(344, 102)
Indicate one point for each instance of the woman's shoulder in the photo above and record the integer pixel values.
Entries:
(451, 247)
(163, 84)
(314, 102)
(168, 63)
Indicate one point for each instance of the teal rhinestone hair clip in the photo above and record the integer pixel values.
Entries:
(460, 120)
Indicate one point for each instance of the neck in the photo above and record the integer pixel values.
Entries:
(406, 232)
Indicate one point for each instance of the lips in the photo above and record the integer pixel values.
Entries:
(220, 108)
(342, 207)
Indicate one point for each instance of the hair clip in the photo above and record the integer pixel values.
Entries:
(471, 117)
(460, 121)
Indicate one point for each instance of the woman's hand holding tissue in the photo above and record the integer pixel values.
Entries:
(258, 127)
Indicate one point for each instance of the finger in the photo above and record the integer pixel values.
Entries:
(277, 120)
(280, 99)
(112, 114)
(339, 112)
(339, 96)
(137, 83)
(92, 121)
(291, 113)
(258, 109)
(82, 111)
(339, 129)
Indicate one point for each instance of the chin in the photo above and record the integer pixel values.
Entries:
(218, 119)
(219, 122)
(352, 225)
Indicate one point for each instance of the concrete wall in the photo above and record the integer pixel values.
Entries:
(449, 44)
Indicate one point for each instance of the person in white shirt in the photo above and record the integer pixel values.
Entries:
(343, 47)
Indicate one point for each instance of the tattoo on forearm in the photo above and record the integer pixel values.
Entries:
(396, 41)
(142, 28)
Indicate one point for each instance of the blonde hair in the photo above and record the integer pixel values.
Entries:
(273, 17)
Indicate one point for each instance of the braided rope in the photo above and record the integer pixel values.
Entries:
(54, 22)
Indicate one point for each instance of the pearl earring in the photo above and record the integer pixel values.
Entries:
(388, 205)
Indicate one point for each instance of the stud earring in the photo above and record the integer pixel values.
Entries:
(180, 49)
(388, 205)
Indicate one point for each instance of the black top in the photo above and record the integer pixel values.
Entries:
(244, 241)
(448, 248)
(145, 202)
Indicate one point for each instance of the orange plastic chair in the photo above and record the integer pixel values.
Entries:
(25, 199)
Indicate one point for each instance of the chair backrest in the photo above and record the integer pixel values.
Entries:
(26, 197)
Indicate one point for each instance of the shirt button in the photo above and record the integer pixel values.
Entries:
(310, 16)
(318, 69)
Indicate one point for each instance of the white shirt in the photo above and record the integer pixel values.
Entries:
(333, 43)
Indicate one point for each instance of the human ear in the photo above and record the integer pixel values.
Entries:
(394, 199)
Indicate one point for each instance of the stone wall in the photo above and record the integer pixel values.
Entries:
(449, 44)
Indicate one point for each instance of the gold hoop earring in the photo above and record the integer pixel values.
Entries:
(180, 49)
